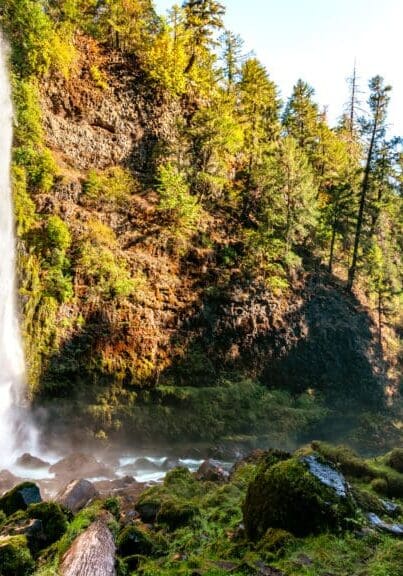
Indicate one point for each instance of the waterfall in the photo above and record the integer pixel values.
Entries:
(16, 432)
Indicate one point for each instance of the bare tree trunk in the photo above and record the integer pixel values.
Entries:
(92, 553)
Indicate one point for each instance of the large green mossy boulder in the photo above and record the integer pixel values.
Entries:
(20, 497)
(53, 522)
(301, 495)
(15, 557)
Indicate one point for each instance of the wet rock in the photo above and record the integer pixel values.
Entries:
(390, 508)
(212, 471)
(394, 529)
(170, 463)
(7, 481)
(31, 462)
(80, 465)
(327, 475)
(145, 465)
(76, 495)
(20, 497)
(298, 496)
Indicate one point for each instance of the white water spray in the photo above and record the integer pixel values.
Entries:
(16, 432)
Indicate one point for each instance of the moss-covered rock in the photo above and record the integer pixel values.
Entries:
(134, 541)
(15, 557)
(20, 497)
(288, 495)
(54, 523)
(395, 459)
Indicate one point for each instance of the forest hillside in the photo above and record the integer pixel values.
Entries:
(198, 258)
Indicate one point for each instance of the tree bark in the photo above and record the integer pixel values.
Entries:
(92, 553)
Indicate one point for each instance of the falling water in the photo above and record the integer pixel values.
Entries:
(16, 434)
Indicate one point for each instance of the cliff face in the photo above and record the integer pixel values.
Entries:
(149, 324)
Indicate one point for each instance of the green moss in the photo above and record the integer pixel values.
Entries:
(134, 540)
(19, 498)
(395, 460)
(15, 557)
(273, 543)
(288, 496)
(350, 463)
(53, 519)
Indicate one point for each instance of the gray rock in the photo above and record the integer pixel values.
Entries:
(394, 529)
(76, 495)
(327, 475)
(31, 462)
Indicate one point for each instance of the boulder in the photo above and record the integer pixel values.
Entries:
(211, 470)
(80, 465)
(31, 462)
(301, 495)
(92, 553)
(76, 495)
(20, 497)
(7, 481)
(395, 459)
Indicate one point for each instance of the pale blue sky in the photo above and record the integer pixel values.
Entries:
(318, 41)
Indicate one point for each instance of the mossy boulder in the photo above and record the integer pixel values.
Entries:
(301, 495)
(15, 557)
(53, 520)
(395, 460)
(20, 497)
(134, 541)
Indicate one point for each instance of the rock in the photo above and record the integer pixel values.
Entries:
(7, 481)
(297, 495)
(395, 459)
(92, 553)
(31, 462)
(20, 497)
(143, 464)
(327, 475)
(80, 465)
(50, 526)
(15, 557)
(390, 508)
(76, 495)
(134, 540)
(394, 529)
(170, 463)
(210, 470)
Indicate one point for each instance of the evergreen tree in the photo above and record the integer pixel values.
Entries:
(373, 130)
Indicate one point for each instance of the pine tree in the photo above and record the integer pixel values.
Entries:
(374, 130)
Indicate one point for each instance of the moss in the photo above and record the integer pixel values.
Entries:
(395, 460)
(53, 521)
(273, 543)
(174, 513)
(15, 557)
(380, 486)
(19, 498)
(134, 540)
(350, 463)
(288, 496)
(367, 501)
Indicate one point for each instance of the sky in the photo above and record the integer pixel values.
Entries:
(318, 41)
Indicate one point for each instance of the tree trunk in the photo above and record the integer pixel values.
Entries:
(360, 218)
(92, 553)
